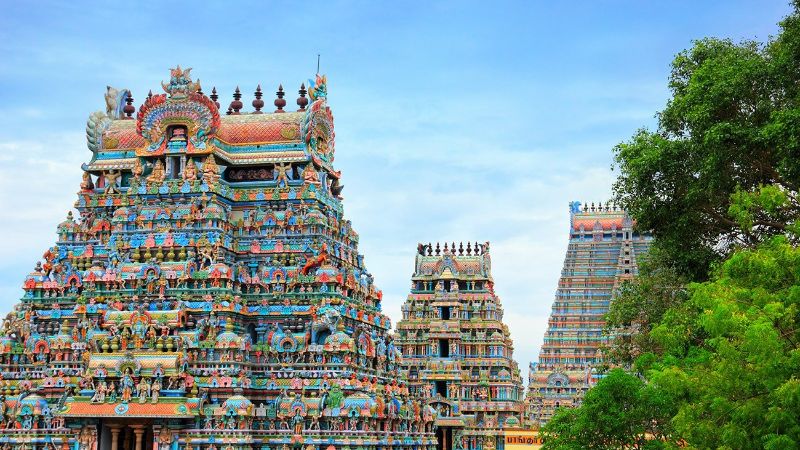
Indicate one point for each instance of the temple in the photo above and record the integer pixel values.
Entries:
(457, 350)
(602, 252)
(209, 293)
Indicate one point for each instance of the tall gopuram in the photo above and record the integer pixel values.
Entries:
(603, 250)
(456, 348)
(209, 293)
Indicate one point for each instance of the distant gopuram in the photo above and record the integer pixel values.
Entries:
(456, 349)
(209, 294)
(602, 253)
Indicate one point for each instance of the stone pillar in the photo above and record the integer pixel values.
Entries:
(138, 432)
(115, 429)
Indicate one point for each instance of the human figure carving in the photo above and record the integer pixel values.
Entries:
(111, 177)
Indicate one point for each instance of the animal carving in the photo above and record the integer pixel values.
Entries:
(316, 261)
(327, 320)
(111, 101)
(115, 101)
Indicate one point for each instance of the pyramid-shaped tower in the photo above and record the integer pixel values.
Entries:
(456, 349)
(602, 252)
(208, 294)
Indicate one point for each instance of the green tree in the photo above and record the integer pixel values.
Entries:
(621, 411)
(721, 171)
(712, 325)
(738, 388)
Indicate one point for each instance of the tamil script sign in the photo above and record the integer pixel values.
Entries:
(522, 440)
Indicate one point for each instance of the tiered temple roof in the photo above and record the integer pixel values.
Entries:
(603, 250)
(456, 348)
(209, 294)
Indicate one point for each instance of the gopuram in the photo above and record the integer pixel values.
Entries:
(208, 295)
(456, 348)
(602, 253)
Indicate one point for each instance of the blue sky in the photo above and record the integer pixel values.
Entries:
(454, 121)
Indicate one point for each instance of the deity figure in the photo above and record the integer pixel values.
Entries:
(99, 393)
(86, 438)
(426, 390)
(283, 172)
(87, 382)
(314, 423)
(137, 169)
(297, 422)
(310, 175)
(86, 183)
(111, 178)
(155, 390)
(158, 175)
(112, 393)
(143, 390)
(210, 170)
(164, 438)
(190, 171)
(180, 83)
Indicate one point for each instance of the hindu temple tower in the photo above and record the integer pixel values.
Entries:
(603, 251)
(456, 348)
(208, 294)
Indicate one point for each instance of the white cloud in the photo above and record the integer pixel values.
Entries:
(38, 182)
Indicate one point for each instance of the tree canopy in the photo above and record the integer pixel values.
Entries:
(721, 171)
(709, 333)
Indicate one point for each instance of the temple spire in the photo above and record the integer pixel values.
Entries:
(280, 102)
(214, 97)
(236, 104)
(129, 109)
(302, 101)
(258, 103)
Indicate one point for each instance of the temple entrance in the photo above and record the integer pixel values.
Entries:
(122, 436)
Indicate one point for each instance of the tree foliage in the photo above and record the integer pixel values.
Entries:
(721, 171)
(721, 367)
(620, 412)
(712, 340)
(730, 355)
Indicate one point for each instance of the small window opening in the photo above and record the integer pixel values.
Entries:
(444, 348)
(445, 313)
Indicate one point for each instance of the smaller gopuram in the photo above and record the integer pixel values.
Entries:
(457, 352)
(603, 252)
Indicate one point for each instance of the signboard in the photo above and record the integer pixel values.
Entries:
(521, 440)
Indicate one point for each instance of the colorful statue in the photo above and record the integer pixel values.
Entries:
(316, 261)
(210, 171)
(111, 179)
(318, 88)
(190, 171)
(155, 390)
(87, 184)
(180, 83)
(158, 175)
(310, 175)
